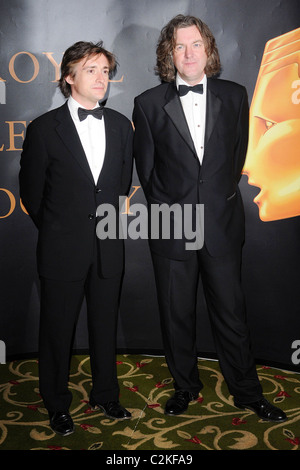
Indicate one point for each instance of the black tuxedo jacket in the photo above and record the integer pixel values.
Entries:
(169, 169)
(58, 191)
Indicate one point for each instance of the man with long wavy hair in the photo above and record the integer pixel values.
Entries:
(191, 135)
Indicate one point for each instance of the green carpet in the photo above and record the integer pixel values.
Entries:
(210, 423)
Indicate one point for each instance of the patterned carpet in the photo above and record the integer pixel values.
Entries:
(210, 423)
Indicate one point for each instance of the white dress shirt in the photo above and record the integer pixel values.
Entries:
(91, 132)
(194, 107)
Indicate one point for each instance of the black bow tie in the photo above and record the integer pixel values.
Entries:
(184, 89)
(97, 113)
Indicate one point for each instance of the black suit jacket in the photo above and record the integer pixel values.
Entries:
(169, 169)
(58, 190)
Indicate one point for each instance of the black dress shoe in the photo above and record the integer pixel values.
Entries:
(264, 410)
(61, 423)
(179, 402)
(112, 409)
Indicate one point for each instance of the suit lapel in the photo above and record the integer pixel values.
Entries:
(213, 107)
(68, 134)
(111, 139)
(175, 111)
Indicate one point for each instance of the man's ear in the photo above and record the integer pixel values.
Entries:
(69, 80)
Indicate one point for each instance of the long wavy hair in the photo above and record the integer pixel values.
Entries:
(166, 43)
(75, 54)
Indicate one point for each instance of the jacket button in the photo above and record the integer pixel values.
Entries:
(91, 216)
(98, 190)
(201, 181)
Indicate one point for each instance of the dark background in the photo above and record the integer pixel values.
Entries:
(130, 28)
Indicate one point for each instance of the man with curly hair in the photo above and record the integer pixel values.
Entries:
(190, 143)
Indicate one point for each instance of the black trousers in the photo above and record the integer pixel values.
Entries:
(177, 284)
(60, 306)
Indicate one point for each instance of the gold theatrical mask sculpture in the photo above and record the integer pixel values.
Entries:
(273, 157)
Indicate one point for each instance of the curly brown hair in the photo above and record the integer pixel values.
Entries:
(77, 52)
(165, 47)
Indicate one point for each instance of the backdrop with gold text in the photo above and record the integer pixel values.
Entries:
(259, 45)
